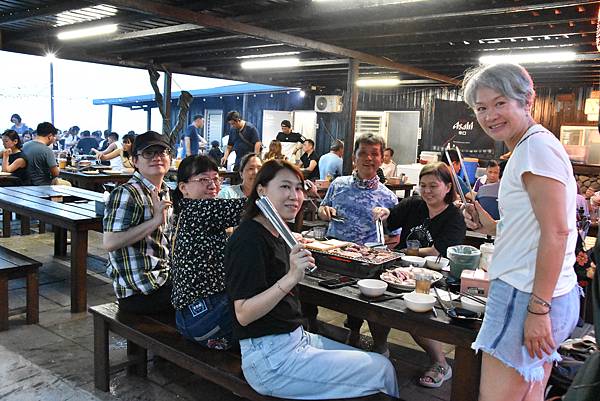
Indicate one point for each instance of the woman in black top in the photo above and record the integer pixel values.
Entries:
(279, 358)
(436, 223)
(202, 306)
(13, 160)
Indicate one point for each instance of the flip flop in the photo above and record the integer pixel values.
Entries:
(436, 371)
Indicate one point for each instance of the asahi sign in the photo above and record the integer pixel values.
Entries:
(455, 123)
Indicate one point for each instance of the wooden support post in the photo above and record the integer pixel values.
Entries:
(349, 114)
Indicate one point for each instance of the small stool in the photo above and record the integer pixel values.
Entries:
(30, 272)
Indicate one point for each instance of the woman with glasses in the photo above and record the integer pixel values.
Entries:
(434, 221)
(249, 166)
(199, 298)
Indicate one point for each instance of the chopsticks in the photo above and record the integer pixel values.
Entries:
(267, 208)
(472, 297)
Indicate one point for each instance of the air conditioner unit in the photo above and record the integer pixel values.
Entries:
(328, 104)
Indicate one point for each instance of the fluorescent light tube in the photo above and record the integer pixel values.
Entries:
(528, 58)
(378, 82)
(271, 63)
(88, 32)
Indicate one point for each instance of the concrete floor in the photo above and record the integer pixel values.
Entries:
(53, 360)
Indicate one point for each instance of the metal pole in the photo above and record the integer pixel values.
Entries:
(110, 117)
(52, 92)
(349, 114)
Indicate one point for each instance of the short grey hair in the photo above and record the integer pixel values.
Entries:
(370, 139)
(510, 80)
(336, 146)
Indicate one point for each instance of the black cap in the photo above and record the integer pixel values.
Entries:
(149, 138)
(286, 123)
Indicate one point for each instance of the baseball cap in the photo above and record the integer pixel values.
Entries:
(149, 138)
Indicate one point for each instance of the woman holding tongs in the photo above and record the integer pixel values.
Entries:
(533, 302)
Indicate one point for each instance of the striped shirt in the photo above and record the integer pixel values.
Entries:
(142, 267)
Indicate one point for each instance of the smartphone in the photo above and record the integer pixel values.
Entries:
(339, 282)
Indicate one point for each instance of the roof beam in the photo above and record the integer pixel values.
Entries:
(40, 11)
(183, 15)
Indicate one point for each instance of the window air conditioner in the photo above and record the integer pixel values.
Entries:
(328, 104)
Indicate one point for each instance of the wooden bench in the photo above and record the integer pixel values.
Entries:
(158, 334)
(12, 266)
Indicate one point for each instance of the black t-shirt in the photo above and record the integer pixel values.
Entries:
(291, 137)
(86, 144)
(446, 229)
(305, 158)
(254, 261)
(243, 146)
(20, 172)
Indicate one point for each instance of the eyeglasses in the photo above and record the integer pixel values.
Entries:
(150, 154)
(206, 181)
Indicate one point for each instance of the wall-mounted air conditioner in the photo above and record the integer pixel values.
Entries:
(328, 104)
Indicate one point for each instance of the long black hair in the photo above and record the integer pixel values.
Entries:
(129, 138)
(13, 136)
(267, 172)
(190, 166)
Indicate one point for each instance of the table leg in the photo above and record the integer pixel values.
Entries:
(467, 370)
(79, 246)
(101, 349)
(60, 241)
(25, 225)
(33, 299)
(3, 302)
(6, 217)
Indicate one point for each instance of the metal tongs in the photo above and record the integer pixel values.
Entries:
(269, 211)
(454, 312)
(380, 233)
(455, 177)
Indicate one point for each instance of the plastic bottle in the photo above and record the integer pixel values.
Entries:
(487, 252)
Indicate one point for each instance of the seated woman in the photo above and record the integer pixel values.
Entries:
(249, 166)
(120, 156)
(274, 151)
(202, 308)
(279, 358)
(13, 160)
(436, 223)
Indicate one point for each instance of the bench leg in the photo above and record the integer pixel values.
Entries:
(25, 225)
(3, 303)
(41, 227)
(79, 246)
(33, 299)
(101, 366)
(140, 355)
(6, 217)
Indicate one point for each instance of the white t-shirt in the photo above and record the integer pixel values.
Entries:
(518, 231)
(388, 169)
(117, 162)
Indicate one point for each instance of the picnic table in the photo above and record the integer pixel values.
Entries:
(8, 180)
(394, 313)
(93, 182)
(67, 209)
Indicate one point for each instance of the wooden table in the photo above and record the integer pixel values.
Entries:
(93, 182)
(407, 188)
(467, 364)
(76, 214)
(8, 180)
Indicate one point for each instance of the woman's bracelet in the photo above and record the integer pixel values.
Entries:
(539, 301)
(279, 286)
(538, 313)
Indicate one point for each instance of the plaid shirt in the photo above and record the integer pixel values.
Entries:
(142, 267)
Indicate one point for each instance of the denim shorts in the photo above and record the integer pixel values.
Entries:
(207, 321)
(501, 334)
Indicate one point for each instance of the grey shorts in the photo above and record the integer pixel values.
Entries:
(501, 334)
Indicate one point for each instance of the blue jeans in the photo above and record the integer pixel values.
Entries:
(207, 321)
(307, 366)
(501, 334)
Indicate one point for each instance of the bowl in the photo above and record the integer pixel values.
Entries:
(433, 265)
(418, 302)
(85, 163)
(472, 305)
(414, 260)
(371, 287)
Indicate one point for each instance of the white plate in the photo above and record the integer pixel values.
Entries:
(437, 276)
(5, 173)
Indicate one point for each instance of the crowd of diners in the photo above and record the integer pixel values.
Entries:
(207, 254)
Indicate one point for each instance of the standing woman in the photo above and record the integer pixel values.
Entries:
(13, 160)
(533, 303)
(279, 358)
(249, 166)
(18, 125)
(434, 221)
(202, 308)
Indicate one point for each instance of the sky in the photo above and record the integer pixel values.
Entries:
(25, 90)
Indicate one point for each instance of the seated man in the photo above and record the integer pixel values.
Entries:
(135, 230)
(42, 168)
